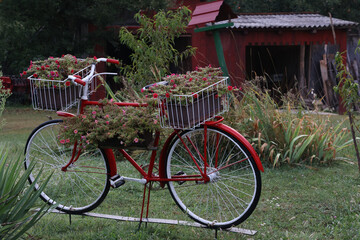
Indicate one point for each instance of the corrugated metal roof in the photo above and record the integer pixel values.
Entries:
(205, 13)
(287, 21)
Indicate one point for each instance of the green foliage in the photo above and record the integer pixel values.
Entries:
(153, 45)
(4, 94)
(126, 124)
(348, 90)
(35, 29)
(282, 137)
(16, 197)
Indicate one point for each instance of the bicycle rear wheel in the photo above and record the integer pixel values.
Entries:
(82, 187)
(234, 186)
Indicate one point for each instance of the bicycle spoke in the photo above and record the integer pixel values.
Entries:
(85, 183)
(229, 194)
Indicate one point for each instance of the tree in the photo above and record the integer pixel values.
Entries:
(32, 29)
(152, 45)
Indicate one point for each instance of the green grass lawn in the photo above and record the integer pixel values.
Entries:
(322, 202)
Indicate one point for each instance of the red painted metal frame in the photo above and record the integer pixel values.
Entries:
(245, 142)
(162, 175)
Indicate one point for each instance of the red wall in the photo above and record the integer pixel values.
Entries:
(234, 44)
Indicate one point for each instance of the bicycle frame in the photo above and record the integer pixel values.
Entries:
(148, 176)
(205, 154)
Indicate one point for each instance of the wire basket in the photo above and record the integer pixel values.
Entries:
(190, 111)
(55, 95)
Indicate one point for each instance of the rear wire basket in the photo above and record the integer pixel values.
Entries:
(55, 95)
(190, 111)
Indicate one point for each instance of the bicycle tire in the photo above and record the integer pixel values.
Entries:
(82, 187)
(233, 192)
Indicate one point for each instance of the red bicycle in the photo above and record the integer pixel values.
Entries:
(211, 170)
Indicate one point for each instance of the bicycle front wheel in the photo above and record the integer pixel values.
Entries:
(84, 184)
(232, 189)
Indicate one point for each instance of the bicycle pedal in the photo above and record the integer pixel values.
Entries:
(181, 173)
(116, 181)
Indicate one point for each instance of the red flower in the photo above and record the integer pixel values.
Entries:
(155, 95)
(195, 95)
(72, 70)
(24, 72)
(205, 79)
(230, 88)
(190, 79)
(47, 66)
(68, 83)
(35, 75)
(167, 95)
(42, 67)
(216, 96)
(95, 58)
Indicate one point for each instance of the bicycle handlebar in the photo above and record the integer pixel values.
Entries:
(114, 61)
(79, 81)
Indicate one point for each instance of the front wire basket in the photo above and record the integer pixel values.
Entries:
(55, 95)
(190, 111)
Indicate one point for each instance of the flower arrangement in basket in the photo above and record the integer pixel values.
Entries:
(192, 98)
(191, 83)
(112, 126)
(50, 88)
(58, 68)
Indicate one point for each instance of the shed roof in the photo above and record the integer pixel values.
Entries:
(211, 12)
(286, 21)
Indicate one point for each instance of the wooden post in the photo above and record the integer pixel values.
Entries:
(302, 80)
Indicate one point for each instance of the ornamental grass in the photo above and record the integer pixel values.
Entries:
(284, 133)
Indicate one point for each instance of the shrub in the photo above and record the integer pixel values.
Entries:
(348, 90)
(153, 45)
(4, 94)
(281, 135)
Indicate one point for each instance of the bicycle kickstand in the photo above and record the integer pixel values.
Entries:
(143, 203)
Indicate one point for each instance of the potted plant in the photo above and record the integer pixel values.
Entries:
(112, 126)
(192, 98)
(50, 87)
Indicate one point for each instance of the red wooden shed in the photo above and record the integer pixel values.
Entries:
(283, 47)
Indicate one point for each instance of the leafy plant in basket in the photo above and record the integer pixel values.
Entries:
(49, 87)
(193, 97)
(58, 68)
(191, 83)
(112, 126)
